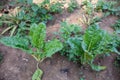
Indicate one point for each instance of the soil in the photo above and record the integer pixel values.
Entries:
(17, 65)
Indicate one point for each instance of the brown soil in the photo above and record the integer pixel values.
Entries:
(17, 65)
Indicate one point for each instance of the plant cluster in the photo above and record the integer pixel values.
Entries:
(109, 8)
(85, 47)
(79, 46)
(88, 6)
(35, 44)
(89, 10)
(53, 6)
(28, 13)
(72, 6)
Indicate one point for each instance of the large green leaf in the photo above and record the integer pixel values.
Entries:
(51, 47)
(92, 37)
(37, 75)
(75, 45)
(16, 42)
(38, 35)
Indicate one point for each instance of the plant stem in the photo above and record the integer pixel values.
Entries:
(37, 64)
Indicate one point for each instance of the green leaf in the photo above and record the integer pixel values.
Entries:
(37, 75)
(15, 42)
(87, 58)
(75, 45)
(52, 47)
(29, 1)
(97, 67)
(38, 35)
(92, 37)
(69, 29)
(20, 15)
(35, 8)
(87, 46)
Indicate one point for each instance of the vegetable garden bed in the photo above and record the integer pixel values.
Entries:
(28, 44)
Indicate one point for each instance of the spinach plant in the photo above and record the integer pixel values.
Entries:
(35, 44)
(84, 48)
(66, 31)
(88, 6)
(53, 6)
(109, 7)
(72, 5)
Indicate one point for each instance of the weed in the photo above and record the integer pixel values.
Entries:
(89, 19)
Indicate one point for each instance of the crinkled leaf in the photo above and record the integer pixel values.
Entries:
(52, 47)
(37, 75)
(92, 37)
(38, 35)
(15, 42)
(75, 45)
(69, 29)
(35, 8)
